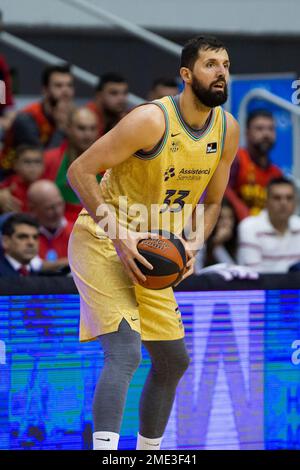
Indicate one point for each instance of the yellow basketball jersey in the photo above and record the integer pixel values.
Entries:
(156, 187)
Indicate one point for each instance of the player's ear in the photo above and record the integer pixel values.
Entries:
(186, 74)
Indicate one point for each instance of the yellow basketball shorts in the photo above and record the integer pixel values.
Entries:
(107, 295)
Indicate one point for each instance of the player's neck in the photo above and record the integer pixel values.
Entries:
(194, 113)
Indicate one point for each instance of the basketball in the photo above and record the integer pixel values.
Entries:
(167, 256)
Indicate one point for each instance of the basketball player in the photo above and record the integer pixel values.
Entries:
(167, 152)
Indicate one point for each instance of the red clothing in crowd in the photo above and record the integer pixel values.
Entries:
(55, 245)
(92, 106)
(18, 189)
(249, 181)
(56, 166)
(53, 160)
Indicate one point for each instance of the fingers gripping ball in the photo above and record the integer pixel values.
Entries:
(167, 256)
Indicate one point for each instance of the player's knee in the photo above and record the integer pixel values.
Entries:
(172, 367)
(179, 365)
(126, 361)
(135, 358)
(122, 350)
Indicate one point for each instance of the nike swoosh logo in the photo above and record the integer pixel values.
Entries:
(174, 135)
(152, 445)
(134, 319)
(99, 439)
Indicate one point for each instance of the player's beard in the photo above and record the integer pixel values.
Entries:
(207, 96)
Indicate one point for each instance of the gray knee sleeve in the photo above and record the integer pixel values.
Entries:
(122, 356)
(169, 362)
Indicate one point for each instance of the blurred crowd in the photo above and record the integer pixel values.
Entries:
(258, 225)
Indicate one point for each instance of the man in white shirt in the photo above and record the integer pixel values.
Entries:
(270, 241)
(20, 242)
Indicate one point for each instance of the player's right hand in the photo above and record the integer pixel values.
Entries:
(127, 251)
(190, 265)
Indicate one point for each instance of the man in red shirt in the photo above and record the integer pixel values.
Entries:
(41, 123)
(46, 204)
(82, 131)
(252, 170)
(110, 102)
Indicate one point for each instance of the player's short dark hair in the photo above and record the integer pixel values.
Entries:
(164, 81)
(258, 113)
(51, 69)
(278, 181)
(8, 227)
(190, 51)
(27, 147)
(109, 78)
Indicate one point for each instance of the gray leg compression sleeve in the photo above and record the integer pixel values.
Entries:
(169, 362)
(122, 356)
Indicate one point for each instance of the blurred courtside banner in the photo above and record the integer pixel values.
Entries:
(241, 391)
(280, 85)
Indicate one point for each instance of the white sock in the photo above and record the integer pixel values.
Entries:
(143, 443)
(104, 440)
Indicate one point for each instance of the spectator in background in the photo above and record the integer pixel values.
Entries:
(28, 166)
(81, 131)
(6, 78)
(47, 205)
(110, 103)
(6, 109)
(20, 238)
(163, 87)
(221, 246)
(270, 241)
(42, 123)
(252, 170)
